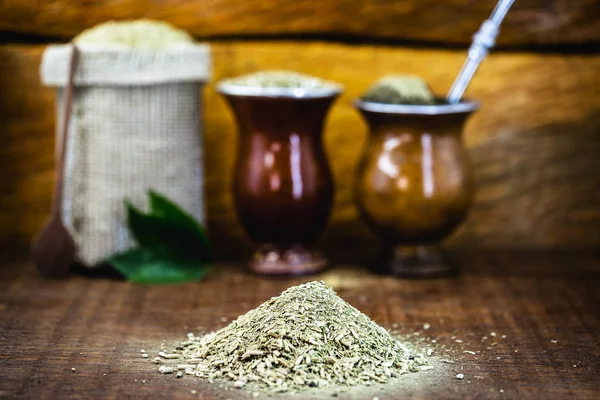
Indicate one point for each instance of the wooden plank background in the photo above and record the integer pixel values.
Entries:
(535, 144)
(530, 22)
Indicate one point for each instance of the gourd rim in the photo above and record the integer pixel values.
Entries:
(464, 106)
(232, 89)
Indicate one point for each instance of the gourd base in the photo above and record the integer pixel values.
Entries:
(418, 262)
(292, 260)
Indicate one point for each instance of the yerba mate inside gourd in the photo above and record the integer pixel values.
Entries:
(281, 79)
(400, 89)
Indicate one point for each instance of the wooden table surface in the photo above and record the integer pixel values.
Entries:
(544, 309)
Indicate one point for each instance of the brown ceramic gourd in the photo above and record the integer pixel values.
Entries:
(413, 184)
(283, 188)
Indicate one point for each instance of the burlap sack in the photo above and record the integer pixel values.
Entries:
(135, 125)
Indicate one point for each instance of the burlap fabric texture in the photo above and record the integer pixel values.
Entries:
(135, 126)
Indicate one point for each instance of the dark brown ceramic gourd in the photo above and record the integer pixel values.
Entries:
(413, 184)
(283, 188)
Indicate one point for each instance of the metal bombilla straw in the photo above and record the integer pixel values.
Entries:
(483, 40)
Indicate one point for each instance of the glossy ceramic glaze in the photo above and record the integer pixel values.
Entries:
(413, 185)
(283, 187)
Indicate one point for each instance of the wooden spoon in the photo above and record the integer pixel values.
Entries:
(54, 249)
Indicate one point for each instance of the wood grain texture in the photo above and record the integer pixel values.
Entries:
(449, 21)
(534, 144)
(98, 327)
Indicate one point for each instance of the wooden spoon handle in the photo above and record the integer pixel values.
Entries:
(62, 149)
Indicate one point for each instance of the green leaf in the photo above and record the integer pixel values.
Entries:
(161, 206)
(130, 261)
(142, 266)
(167, 239)
(165, 272)
(173, 246)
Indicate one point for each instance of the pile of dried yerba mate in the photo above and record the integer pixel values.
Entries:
(304, 338)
